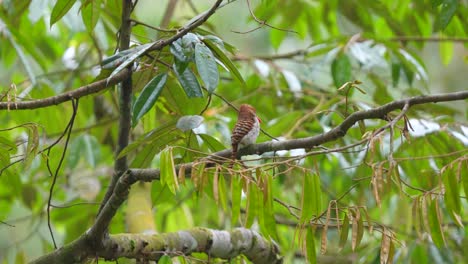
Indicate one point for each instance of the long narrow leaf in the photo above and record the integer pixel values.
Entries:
(310, 246)
(148, 97)
(236, 193)
(60, 9)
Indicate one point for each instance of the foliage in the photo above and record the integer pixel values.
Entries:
(373, 195)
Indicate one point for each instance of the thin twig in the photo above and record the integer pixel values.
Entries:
(55, 175)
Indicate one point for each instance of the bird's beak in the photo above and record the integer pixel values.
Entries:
(259, 120)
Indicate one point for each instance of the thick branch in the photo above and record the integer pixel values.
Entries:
(125, 103)
(67, 96)
(310, 142)
(215, 243)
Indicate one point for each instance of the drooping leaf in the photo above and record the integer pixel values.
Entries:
(32, 146)
(148, 97)
(452, 194)
(189, 82)
(236, 194)
(168, 172)
(225, 60)
(446, 52)
(447, 11)
(357, 228)
(268, 217)
(434, 220)
(311, 197)
(385, 246)
(252, 204)
(463, 173)
(212, 143)
(206, 65)
(310, 246)
(344, 232)
(341, 70)
(189, 122)
(396, 69)
(60, 9)
(90, 12)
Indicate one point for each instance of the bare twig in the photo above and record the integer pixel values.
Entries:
(261, 23)
(55, 175)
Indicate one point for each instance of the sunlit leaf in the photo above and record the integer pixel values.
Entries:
(446, 51)
(148, 97)
(168, 173)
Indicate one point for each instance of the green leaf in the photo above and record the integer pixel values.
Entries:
(344, 232)
(60, 9)
(446, 51)
(434, 221)
(311, 197)
(310, 246)
(449, 7)
(341, 70)
(148, 97)
(225, 60)
(168, 173)
(206, 65)
(222, 192)
(33, 144)
(236, 194)
(84, 146)
(252, 204)
(463, 172)
(90, 12)
(396, 69)
(268, 217)
(189, 82)
(212, 143)
(452, 194)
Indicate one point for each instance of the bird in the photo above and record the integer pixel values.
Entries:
(246, 130)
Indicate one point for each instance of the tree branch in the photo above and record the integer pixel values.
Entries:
(102, 84)
(214, 243)
(310, 142)
(67, 96)
(125, 103)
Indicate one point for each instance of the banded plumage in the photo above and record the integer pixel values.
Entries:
(246, 130)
